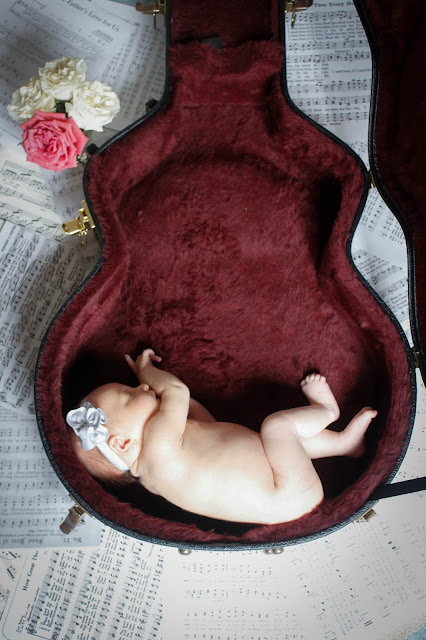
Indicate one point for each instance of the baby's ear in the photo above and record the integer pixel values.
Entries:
(120, 444)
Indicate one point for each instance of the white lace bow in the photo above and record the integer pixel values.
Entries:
(88, 423)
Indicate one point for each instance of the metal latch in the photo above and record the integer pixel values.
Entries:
(75, 515)
(366, 517)
(153, 9)
(416, 355)
(80, 225)
(296, 6)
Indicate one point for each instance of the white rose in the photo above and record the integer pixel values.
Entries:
(94, 104)
(29, 98)
(59, 77)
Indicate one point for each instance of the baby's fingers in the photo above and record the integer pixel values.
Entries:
(148, 356)
(130, 362)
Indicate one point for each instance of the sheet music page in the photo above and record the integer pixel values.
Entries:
(37, 275)
(120, 48)
(111, 592)
(328, 64)
(363, 581)
(413, 464)
(11, 563)
(138, 71)
(24, 197)
(379, 231)
(33, 501)
(380, 254)
(117, 50)
(329, 68)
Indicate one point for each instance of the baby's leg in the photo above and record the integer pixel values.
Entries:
(283, 431)
(349, 442)
(322, 410)
(297, 487)
(296, 482)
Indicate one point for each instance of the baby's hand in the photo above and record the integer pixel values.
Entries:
(144, 360)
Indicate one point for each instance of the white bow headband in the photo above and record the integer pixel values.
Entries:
(88, 423)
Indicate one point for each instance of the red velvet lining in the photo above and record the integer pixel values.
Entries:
(225, 219)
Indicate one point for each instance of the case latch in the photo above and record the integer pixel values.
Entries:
(80, 225)
(366, 517)
(296, 6)
(152, 9)
(74, 517)
(416, 355)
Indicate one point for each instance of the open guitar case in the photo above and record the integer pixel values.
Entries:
(225, 218)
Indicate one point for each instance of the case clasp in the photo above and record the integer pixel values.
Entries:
(416, 355)
(296, 6)
(152, 9)
(74, 517)
(366, 517)
(80, 225)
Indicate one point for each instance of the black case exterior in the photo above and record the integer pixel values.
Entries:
(386, 76)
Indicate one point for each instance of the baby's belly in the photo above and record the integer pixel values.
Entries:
(225, 447)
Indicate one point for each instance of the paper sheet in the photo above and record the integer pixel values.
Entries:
(329, 70)
(117, 50)
(366, 580)
(36, 276)
(120, 48)
(33, 502)
(113, 592)
(329, 79)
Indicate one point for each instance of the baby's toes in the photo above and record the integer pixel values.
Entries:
(312, 377)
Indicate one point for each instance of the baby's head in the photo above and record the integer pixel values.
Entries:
(107, 430)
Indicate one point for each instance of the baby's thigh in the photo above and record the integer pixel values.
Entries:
(278, 427)
(294, 473)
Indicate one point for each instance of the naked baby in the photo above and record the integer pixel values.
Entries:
(155, 433)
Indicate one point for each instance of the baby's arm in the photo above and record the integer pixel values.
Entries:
(198, 412)
(168, 425)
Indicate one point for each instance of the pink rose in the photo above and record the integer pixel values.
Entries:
(52, 140)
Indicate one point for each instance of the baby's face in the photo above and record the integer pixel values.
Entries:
(127, 410)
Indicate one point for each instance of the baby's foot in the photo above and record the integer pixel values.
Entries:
(316, 389)
(352, 438)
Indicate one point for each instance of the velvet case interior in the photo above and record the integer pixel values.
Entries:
(225, 219)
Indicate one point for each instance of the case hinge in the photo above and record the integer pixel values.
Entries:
(153, 9)
(296, 6)
(80, 225)
(416, 355)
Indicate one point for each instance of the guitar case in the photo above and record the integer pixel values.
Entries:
(225, 218)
